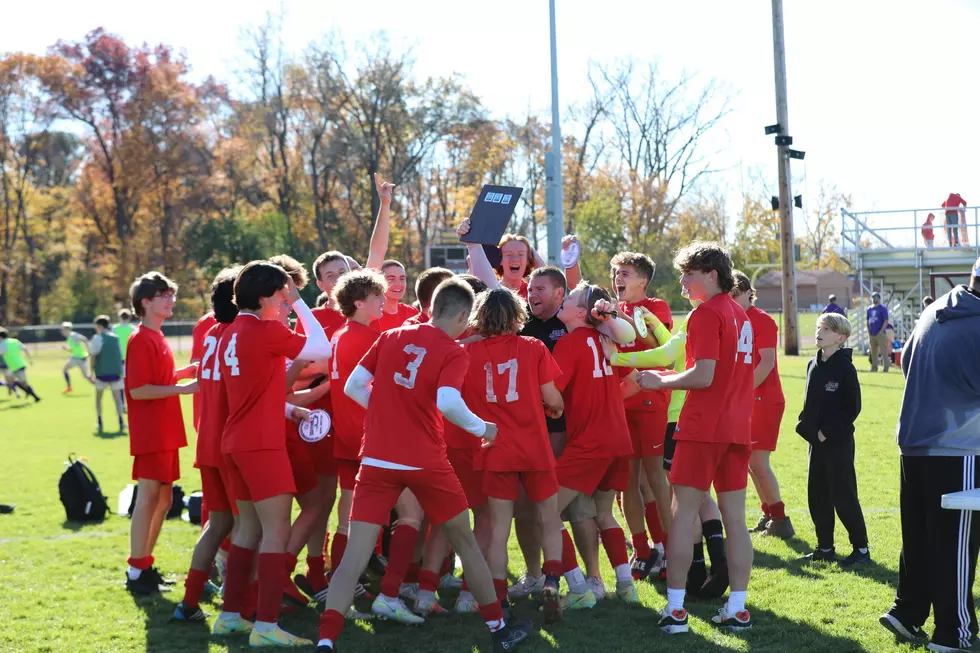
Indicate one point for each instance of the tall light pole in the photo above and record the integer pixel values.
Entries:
(786, 239)
(553, 195)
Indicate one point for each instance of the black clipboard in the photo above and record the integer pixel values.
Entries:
(491, 214)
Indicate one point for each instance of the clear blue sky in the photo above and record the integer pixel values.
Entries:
(882, 95)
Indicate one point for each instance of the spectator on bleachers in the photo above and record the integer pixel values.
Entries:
(928, 235)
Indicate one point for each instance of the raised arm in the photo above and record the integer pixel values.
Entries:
(382, 225)
(479, 264)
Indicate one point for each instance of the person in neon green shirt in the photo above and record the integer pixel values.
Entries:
(77, 344)
(13, 353)
(124, 330)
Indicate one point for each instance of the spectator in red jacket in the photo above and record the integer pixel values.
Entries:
(927, 233)
(953, 218)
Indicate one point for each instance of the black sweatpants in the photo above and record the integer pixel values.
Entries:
(832, 487)
(939, 548)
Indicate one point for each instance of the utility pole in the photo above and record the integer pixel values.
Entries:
(786, 240)
(553, 195)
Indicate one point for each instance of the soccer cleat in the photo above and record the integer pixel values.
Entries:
(275, 637)
(781, 528)
(230, 625)
(356, 615)
(185, 613)
(361, 592)
(466, 605)
(820, 555)
(323, 648)
(663, 569)
(761, 524)
(626, 591)
(66, 391)
(551, 599)
(409, 591)
(738, 621)
(526, 586)
(210, 589)
(716, 585)
(145, 585)
(697, 575)
(674, 623)
(158, 577)
(303, 583)
(597, 586)
(509, 637)
(575, 601)
(291, 596)
(321, 600)
(854, 559)
(395, 611)
(641, 568)
(450, 582)
(429, 607)
(942, 648)
(901, 630)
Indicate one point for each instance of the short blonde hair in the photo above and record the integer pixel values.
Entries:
(836, 323)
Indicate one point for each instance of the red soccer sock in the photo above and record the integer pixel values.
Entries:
(237, 577)
(290, 564)
(568, 560)
(614, 542)
(205, 514)
(226, 544)
(379, 545)
(500, 587)
(428, 580)
(194, 586)
(316, 572)
(493, 615)
(652, 514)
(272, 576)
(552, 568)
(412, 575)
(251, 600)
(331, 625)
(765, 510)
(400, 550)
(641, 546)
(778, 510)
(466, 588)
(142, 564)
(447, 565)
(337, 549)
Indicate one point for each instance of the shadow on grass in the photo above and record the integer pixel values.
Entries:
(76, 526)
(107, 435)
(16, 406)
(164, 634)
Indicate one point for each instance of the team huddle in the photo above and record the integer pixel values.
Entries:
(519, 393)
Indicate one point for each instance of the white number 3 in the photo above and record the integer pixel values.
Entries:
(413, 367)
(745, 342)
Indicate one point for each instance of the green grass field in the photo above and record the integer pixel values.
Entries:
(61, 585)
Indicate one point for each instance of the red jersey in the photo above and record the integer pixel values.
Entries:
(649, 400)
(503, 386)
(719, 330)
(394, 320)
(765, 335)
(595, 417)
(154, 424)
(415, 320)
(954, 200)
(214, 401)
(253, 370)
(350, 343)
(197, 351)
(409, 365)
(331, 320)
(522, 291)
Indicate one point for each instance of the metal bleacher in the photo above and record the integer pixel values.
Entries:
(889, 255)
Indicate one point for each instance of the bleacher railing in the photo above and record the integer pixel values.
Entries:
(905, 229)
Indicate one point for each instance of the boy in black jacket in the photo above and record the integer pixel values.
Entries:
(832, 403)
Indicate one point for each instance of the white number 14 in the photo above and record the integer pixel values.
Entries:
(745, 342)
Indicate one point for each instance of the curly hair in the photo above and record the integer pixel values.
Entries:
(498, 312)
(706, 256)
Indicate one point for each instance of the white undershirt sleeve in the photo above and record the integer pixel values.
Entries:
(450, 403)
(317, 345)
(358, 386)
(289, 410)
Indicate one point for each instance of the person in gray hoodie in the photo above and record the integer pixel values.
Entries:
(939, 438)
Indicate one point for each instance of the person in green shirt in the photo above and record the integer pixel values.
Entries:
(77, 344)
(107, 368)
(13, 353)
(125, 331)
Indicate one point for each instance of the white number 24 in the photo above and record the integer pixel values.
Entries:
(745, 342)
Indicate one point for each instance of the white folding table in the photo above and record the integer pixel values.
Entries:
(965, 500)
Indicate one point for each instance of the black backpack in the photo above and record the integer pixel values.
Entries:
(176, 501)
(80, 493)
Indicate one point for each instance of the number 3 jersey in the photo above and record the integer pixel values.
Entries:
(719, 330)
(595, 418)
(503, 386)
(403, 424)
(252, 366)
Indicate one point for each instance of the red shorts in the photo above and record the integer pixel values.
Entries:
(703, 464)
(647, 431)
(161, 466)
(258, 475)
(378, 489)
(321, 453)
(470, 479)
(347, 472)
(216, 495)
(766, 419)
(587, 475)
(538, 485)
(304, 473)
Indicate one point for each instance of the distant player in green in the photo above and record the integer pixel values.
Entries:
(77, 344)
(13, 353)
(125, 331)
(107, 368)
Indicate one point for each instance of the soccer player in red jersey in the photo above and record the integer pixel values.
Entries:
(712, 435)
(394, 312)
(204, 324)
(767, 412)
(425, 287)
(156, 424)
(596, 457)
(213, 413)
(409, 379)
(253, 352)
(509, 378)
(646, 415)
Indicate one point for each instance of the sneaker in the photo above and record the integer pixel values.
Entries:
(408, 591)
(292, 596)
(738, 621)
(66, 391)
(574, 601)
(902, 631)
(509, 637)
(761, 524)
(674, 623)
(395, 611)
(781, 528)
(466, 605)
(626, 591)
(156, 575)
(551, 599)
(855, 558)
(597, 587)
(526, 586)
(185, 613)
(450, 582)
(229, 625)
(276, 637)
(323, 648)
(429, 607)
(144, 585)
(641, 568)
(820, 555)
(716, 585)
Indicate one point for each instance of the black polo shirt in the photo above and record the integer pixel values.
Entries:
(547, 331)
